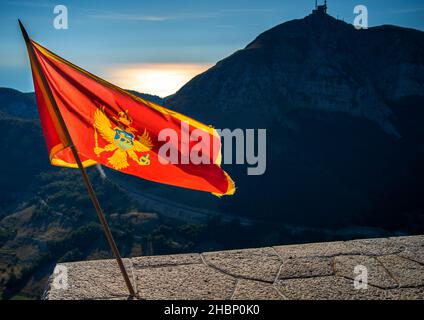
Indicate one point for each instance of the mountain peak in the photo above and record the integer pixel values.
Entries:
(317, 62)
(314, 26)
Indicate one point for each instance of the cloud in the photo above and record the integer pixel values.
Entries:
(178, 15)
(135, 17)
(407, 10)
(128, 17)
(245, 10)
(41, 4)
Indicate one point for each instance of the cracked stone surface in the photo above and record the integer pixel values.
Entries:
(328, 249)
(406, 272)
(374, 247)
(255, 290)
(377, 274)
(99, 279)
(415, 254)
(377, 247)
(194, 282)
(406, 294)
(395, 270)
(166, 260)
(327, 288)
(306, 267)
(410, 241)
(257, 264)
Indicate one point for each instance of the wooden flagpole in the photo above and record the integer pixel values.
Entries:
(85, 178)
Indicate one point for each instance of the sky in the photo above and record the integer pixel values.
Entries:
(157, 46)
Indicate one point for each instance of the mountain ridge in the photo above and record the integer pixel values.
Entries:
(310, 41)
(336, 103)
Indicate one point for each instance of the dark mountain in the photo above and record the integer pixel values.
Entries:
(17, 104)
(152, 98)
(343, 109)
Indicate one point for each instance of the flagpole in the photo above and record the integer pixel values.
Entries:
(85, 178)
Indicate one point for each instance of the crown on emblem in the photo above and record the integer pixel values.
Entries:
(123, 118)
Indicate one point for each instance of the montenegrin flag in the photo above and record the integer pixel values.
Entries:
(115, 128)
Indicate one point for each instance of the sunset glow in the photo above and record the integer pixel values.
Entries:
(160, 79)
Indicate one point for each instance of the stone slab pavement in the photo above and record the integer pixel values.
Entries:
(393, 267)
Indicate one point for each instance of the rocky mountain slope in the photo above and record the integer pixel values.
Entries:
(343, 113)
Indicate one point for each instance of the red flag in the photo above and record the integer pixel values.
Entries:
(115, 128)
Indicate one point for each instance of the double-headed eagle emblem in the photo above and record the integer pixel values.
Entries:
(121, 140)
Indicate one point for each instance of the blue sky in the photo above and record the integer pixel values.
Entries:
(130, 41)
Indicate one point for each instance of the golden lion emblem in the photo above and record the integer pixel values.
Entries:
(121, 139)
